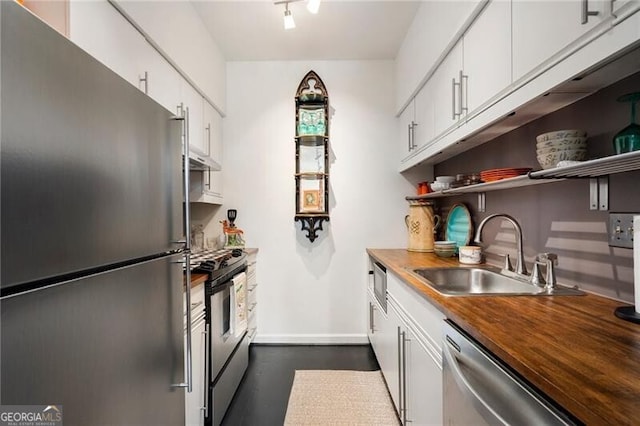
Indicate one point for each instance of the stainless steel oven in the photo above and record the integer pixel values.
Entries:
(380, 284)
(229, 344)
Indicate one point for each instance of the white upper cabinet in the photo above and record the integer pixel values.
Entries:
(424, 111)
(192, 100)
(179, 33)
(102, 31)
(487, 55)
(163, 82)
(447, 95)
(213, 132)
(434, 27)
(541, 29)
(406, 123)
(107, 36)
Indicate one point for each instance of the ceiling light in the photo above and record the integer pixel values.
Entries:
(289, 23)
(313, 6)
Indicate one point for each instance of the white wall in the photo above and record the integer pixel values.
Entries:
(313, 292)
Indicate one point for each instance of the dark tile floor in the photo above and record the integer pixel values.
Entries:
(261, 399)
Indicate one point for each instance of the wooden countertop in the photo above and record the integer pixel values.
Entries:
(573, 348)
(197, 279)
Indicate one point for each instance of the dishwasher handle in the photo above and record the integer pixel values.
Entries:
(465, 386)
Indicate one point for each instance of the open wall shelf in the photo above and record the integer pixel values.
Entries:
(598, 168)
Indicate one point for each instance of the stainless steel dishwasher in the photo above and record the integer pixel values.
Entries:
(480, 390)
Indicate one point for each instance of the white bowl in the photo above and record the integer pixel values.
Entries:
(439, 186)
(445, 179)
(544, 151)
(559, 134)
(550, 160)
(444, 243)
(563, 142)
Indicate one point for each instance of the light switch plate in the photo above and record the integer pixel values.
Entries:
(621, 229)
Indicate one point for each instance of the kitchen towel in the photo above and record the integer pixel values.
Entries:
(636, 260)
(239, 303)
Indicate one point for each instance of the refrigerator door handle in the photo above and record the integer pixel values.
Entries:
(184, 116)
(206, 371)
(189, 358)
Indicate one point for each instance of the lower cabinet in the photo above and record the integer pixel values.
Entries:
(407, 342)
(252, 297)
(419, 373)
(383, 338)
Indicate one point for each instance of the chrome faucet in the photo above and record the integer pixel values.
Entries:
(521, 268)
(550, 260)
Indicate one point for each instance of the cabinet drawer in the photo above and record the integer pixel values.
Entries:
(418, 309)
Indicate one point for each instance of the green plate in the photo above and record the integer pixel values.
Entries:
(459, 227)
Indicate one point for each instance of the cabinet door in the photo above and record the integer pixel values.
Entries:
(106, 35)
(194, 101)
(390, 351)
(213, 132)
(163, 81)
(543, 28)
(195, 400)
(405, 132)
(372, 326)
(213, 183)
(487, 54)
(446, 96)
(423, 131)
(423, 375)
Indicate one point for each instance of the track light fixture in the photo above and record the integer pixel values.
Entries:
(312, 6)
(289, 23)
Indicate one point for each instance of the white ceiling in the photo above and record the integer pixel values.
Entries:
(250, 30)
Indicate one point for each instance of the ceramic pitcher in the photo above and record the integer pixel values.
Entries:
(421, 223)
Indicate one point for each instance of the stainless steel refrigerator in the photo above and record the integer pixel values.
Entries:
(92, 223)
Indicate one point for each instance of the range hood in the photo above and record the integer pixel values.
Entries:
(201, 161)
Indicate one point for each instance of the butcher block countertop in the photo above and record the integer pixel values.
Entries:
(573, 348)
(197, 279)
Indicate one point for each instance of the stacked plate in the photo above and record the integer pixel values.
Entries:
(561, 145)
(498, 174)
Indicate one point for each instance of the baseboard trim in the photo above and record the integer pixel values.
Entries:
(311, 339)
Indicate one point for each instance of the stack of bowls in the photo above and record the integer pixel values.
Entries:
(442, 182)
(444, 248)
(561, 145)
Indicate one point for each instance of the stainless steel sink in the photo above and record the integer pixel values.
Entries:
(483, 281)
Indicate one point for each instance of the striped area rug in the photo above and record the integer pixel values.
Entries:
(339, 397)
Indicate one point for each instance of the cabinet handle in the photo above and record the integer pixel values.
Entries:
(413, 135)
(611, 9)
(208, 129)
(409, 135)
(206, 371)
(404, 376)
(463, 100)
(208, 183)
(145, 79)
(371, 308)
(400, 396)
(453, 98)
(586, 12)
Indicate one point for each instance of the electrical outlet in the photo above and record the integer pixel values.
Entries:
(621, 229)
